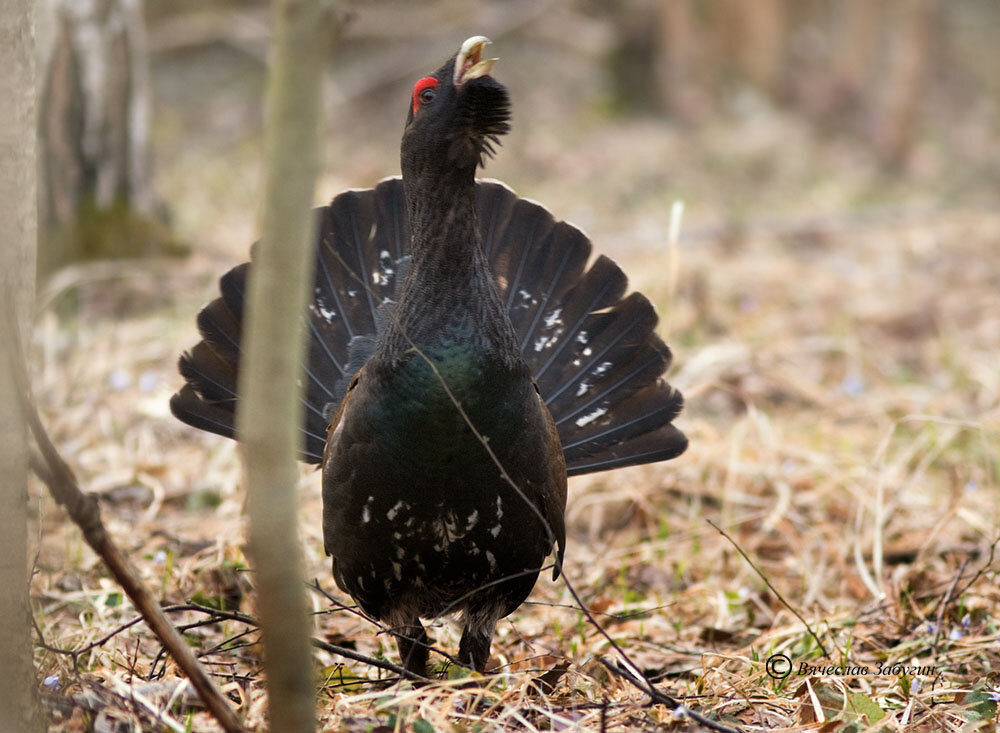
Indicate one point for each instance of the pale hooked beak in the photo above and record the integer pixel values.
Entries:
(470, 64)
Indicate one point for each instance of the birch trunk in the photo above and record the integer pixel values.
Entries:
(17, 260)
(270, 407)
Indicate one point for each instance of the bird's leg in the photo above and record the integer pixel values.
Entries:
(413, 646)
(474, 648)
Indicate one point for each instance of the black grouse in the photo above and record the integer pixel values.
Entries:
(462, 361)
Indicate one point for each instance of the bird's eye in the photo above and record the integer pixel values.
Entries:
(424, 92)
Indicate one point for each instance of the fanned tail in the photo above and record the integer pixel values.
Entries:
(592, 351)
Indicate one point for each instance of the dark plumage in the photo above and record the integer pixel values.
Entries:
(439, 303)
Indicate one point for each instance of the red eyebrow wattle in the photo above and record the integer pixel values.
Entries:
(425, 83)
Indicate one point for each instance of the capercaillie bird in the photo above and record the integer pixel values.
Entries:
(462, 361)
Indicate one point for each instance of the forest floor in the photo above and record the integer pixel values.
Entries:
(837, 337)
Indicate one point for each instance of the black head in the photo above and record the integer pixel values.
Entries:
(456, 116)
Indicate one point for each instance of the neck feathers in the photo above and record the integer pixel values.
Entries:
(444, 230)
(449, 296)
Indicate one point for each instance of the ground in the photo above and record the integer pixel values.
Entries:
(836, 333)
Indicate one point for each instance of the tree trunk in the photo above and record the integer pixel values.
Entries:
(95, 198)
(857, 44)
(761, 42)
(270, 407)
(678, 66)
(18, 711)
(897, 125)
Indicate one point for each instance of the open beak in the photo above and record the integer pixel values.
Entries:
(470, 64)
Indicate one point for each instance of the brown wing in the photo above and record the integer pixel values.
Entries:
(331, 429)
(554, 498)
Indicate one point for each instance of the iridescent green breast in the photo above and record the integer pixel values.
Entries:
(417, 413)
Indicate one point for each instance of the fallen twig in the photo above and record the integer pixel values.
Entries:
(634, 677)
(774, 590)
(83, 509)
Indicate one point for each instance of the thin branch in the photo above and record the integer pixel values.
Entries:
(315, 586)
(75, 654)
(640, 680)
(617, 618)
(979, 573)
(85, 512)
(632, 675)
(319, 644)
(382, 629)
(949, 594)
(371, 661)
(216, 615)
(774, 590)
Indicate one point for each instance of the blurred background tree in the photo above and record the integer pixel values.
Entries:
(95, 194)
(856, 67)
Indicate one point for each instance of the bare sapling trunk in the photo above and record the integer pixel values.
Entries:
(270, 410)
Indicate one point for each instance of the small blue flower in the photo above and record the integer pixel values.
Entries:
(119, 380)
(852, 385)
(995, 695)
(148, 381)
(51, 682)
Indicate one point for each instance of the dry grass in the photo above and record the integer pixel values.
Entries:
(843, 415)
(844, 411)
